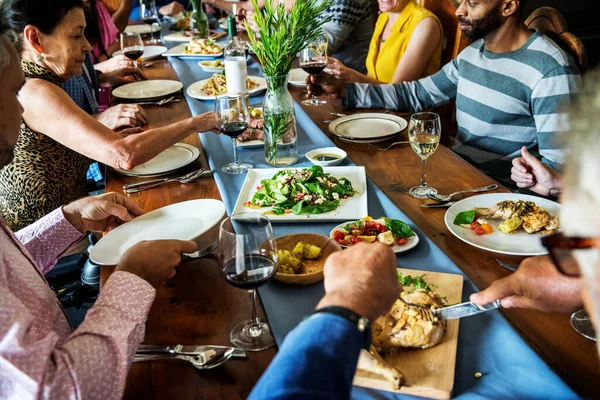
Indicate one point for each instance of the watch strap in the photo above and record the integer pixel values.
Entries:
(361, 323)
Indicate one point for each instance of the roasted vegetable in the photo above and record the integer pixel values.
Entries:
(510, 225)
(285, 269)
(307, 250)
(290, 259)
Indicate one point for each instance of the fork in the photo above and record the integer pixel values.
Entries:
(389, 147)
(425, 312)
(140, 186)
(162, 102)
(510, 267)
(204, 252)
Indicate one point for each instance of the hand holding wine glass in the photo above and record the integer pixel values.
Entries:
(132, 47)
(232, 118)
(424, 133)
(313, 60)
(247, 260)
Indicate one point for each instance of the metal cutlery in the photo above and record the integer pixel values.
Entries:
(197, 361)
(204, 252)
(389, 147)
(337, 114)
(162, 102)
(441, 197)
(510, 267)
(464, 310)
(178, 349)
(438, 205)
(140, 186)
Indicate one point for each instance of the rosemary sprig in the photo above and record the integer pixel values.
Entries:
(284, 34)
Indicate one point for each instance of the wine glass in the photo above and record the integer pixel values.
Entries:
(582, 323)
(232, 118)
(247, 260)
(424, 133)
(313, 60)
(149, 15)
(132, 47)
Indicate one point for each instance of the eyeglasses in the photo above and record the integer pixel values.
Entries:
(559, 246)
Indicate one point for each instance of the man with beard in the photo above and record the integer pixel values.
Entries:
(508, 88)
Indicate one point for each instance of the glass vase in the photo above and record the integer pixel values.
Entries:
(279, 118)
(198, 21)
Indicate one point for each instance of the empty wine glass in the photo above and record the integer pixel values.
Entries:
(232, 118)
(424, 133)
(313, 60)
(149, 15)
(132, 47)
(247, 260)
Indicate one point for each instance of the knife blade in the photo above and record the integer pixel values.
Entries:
(438, 205)
(186, 349)
(464, 310)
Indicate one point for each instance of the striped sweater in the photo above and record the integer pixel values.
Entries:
(503, 102)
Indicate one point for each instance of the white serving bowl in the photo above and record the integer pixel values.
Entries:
(326, 150)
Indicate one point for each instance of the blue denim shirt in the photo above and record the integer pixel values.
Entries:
(316, 361)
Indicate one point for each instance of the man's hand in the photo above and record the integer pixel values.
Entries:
(206, 122)
(538, 285)
(101, 213)
(121, 77)
(173, 8)
(155, 261)
(325, 84)
(363, 279)
(114, 63)
(123, 115)
(529, 172)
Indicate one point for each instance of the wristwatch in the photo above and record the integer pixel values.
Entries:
(362, 323)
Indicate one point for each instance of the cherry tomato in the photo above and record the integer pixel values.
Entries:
(381, 228)
(343, 242)
(401, 241)
(337, 235)
(475, 225)
(370, 224)
(355, 240)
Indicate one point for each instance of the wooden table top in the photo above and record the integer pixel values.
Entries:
(199, 307)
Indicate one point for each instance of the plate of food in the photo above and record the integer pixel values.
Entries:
(393, 232)
(186, 36)
(302, 257)
(208, 89)
(411, 353)
(254, 135)
(305, 194)
(212, 65)
(505, 223)
(196, 48)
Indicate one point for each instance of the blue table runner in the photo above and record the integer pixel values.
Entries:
(487, 343)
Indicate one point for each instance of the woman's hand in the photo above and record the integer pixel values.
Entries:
(101, 213)
(122, 115)
(206, 122)
(340, 71)
(121, 77)
(113, 64)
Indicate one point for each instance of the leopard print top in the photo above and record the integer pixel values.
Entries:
(44, 174)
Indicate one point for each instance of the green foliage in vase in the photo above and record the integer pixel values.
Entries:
(282, 34)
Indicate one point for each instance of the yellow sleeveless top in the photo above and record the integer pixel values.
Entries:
(382, 64)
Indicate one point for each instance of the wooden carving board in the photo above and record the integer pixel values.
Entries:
(429, 372)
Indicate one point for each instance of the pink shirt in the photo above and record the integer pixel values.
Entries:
(108, 31)
(41, 357)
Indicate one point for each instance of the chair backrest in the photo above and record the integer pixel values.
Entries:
(550, 22)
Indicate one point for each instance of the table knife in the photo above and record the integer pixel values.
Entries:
(464, 310)
(186, 350)
(438, 205)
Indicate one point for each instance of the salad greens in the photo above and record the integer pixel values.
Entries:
(398, 228)
(416, 282)
(303, 191)
(464, 218)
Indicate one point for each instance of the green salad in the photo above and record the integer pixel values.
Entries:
(302, 191)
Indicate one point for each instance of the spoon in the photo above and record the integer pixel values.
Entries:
(441, 197)
(327, 158)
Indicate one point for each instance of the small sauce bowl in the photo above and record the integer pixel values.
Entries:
(327, 156)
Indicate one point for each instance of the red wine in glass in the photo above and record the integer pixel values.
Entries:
(233, 129)
(133, 53)
(313, 68)
(150, 20)
(256, 271)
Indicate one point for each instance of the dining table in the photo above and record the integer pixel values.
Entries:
(518, 353)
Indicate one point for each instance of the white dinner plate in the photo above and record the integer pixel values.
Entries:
(177, 51)
(298, 77)
(150, 52)
(368, 126)
(354, 207)
(195, 89)
(207, 67)
(147, 90)
(187, 220)
(396, 248)
(142, 29)
(177, 156)
(519, 243)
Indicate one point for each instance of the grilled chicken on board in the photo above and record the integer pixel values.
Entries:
(517, 213)
(402, 326)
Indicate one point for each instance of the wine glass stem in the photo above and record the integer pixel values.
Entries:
(423, 174)
(253, 305)
(235, 156)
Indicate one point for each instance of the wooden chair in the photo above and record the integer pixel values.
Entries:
(454, 43)
(550, 22)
